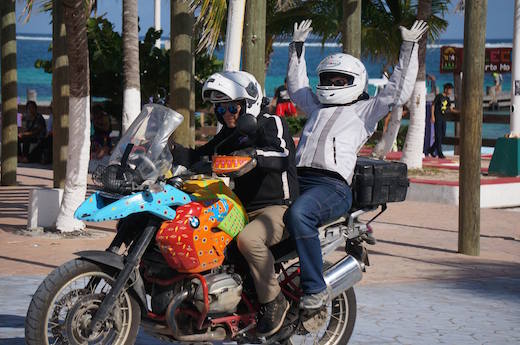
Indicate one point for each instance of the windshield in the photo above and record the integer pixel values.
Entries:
(149, 135)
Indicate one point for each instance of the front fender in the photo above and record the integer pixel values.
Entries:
(117, 262)
(99, 207)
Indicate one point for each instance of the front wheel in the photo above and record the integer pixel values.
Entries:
(65, 302)
(340, 317)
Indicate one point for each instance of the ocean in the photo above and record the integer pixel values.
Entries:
(33, 47)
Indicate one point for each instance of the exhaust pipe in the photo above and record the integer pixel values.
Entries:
(218, 334)
(342, 276)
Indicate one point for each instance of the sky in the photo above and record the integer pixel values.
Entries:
(499, 22)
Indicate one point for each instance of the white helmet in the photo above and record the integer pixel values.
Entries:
(233, 86)
(345, 65)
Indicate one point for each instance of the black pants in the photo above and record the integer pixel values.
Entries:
(24, 145)
(440, 132)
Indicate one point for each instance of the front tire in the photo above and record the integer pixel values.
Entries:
(65, 301)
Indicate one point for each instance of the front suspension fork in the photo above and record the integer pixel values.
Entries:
(132, 260)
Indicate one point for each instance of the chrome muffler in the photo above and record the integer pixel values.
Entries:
(342, 276)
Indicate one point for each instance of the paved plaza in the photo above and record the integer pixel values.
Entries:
(418, 289)
(449, 312)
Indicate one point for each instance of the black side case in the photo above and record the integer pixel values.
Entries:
(377, 182)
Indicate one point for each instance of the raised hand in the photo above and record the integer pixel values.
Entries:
(415, 33)
(302, 31)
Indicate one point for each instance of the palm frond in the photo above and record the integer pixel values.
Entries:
(46, 6)
(210, 21)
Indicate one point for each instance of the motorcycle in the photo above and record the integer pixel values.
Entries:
(173, 267)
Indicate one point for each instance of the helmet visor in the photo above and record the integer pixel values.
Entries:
(336, 79)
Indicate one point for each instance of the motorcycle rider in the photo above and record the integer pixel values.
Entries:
(341, 118)
(266, 191)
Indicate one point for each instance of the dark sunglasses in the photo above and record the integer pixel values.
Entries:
(221, 110)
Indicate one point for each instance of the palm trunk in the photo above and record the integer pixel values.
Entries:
(79, 116)
(181, 69)
(413, 147)
(351, 33)
(9, 154)
(60, 95)
(131, 82)
(387, 140)
(254, 39)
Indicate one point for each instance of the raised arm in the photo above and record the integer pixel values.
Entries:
(297, 80)
(402, 82)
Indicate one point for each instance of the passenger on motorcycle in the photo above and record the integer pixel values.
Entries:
(341, 118)
(266, 191)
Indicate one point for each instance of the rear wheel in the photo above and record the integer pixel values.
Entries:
(340, 318)
(64, 304)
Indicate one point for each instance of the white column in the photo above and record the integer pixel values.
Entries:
(234, 31)
(157, 21)
(515, 76)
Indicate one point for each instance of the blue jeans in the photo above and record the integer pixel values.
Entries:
(322, 200)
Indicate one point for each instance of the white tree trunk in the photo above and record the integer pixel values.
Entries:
(413, 146)
(131, 106)
(131, 78)
(77, 164)
(387, 140)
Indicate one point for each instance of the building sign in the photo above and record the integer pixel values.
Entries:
(495, 60)
(498, 60)
(451, 59)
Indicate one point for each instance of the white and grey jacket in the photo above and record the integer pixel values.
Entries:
(333, 135)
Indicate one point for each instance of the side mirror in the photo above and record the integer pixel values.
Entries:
(246, 124)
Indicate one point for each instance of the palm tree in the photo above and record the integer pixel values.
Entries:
(181, 70)
(351, 33)
(60, 81)
(9, 93)
(413, 147)
(60, 94)
(253, 49)
(131, 83)
(79, 116)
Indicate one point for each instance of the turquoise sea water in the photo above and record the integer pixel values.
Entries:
(32, 47)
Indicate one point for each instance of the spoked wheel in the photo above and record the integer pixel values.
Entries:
(64, 304)
(333, 325)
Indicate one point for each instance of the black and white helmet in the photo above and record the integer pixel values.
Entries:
(234, 86)
(344, 65)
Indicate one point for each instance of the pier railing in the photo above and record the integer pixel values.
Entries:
(496, 117)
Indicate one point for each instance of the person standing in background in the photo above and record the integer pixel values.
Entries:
(282, 101)
(441, 106)
(430, 79)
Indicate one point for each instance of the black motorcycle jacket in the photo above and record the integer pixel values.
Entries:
(273, 181)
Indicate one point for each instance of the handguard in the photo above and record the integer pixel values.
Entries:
(233, 166)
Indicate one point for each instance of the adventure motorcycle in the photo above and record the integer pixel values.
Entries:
(173, 267)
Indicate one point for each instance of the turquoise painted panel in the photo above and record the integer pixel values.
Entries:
(99, 207)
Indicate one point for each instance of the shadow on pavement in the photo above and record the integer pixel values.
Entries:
(417, 246)
(34, 176)
(507, 238)
(12, 321)
(12, 341)
(464, 268)
(27, 262)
